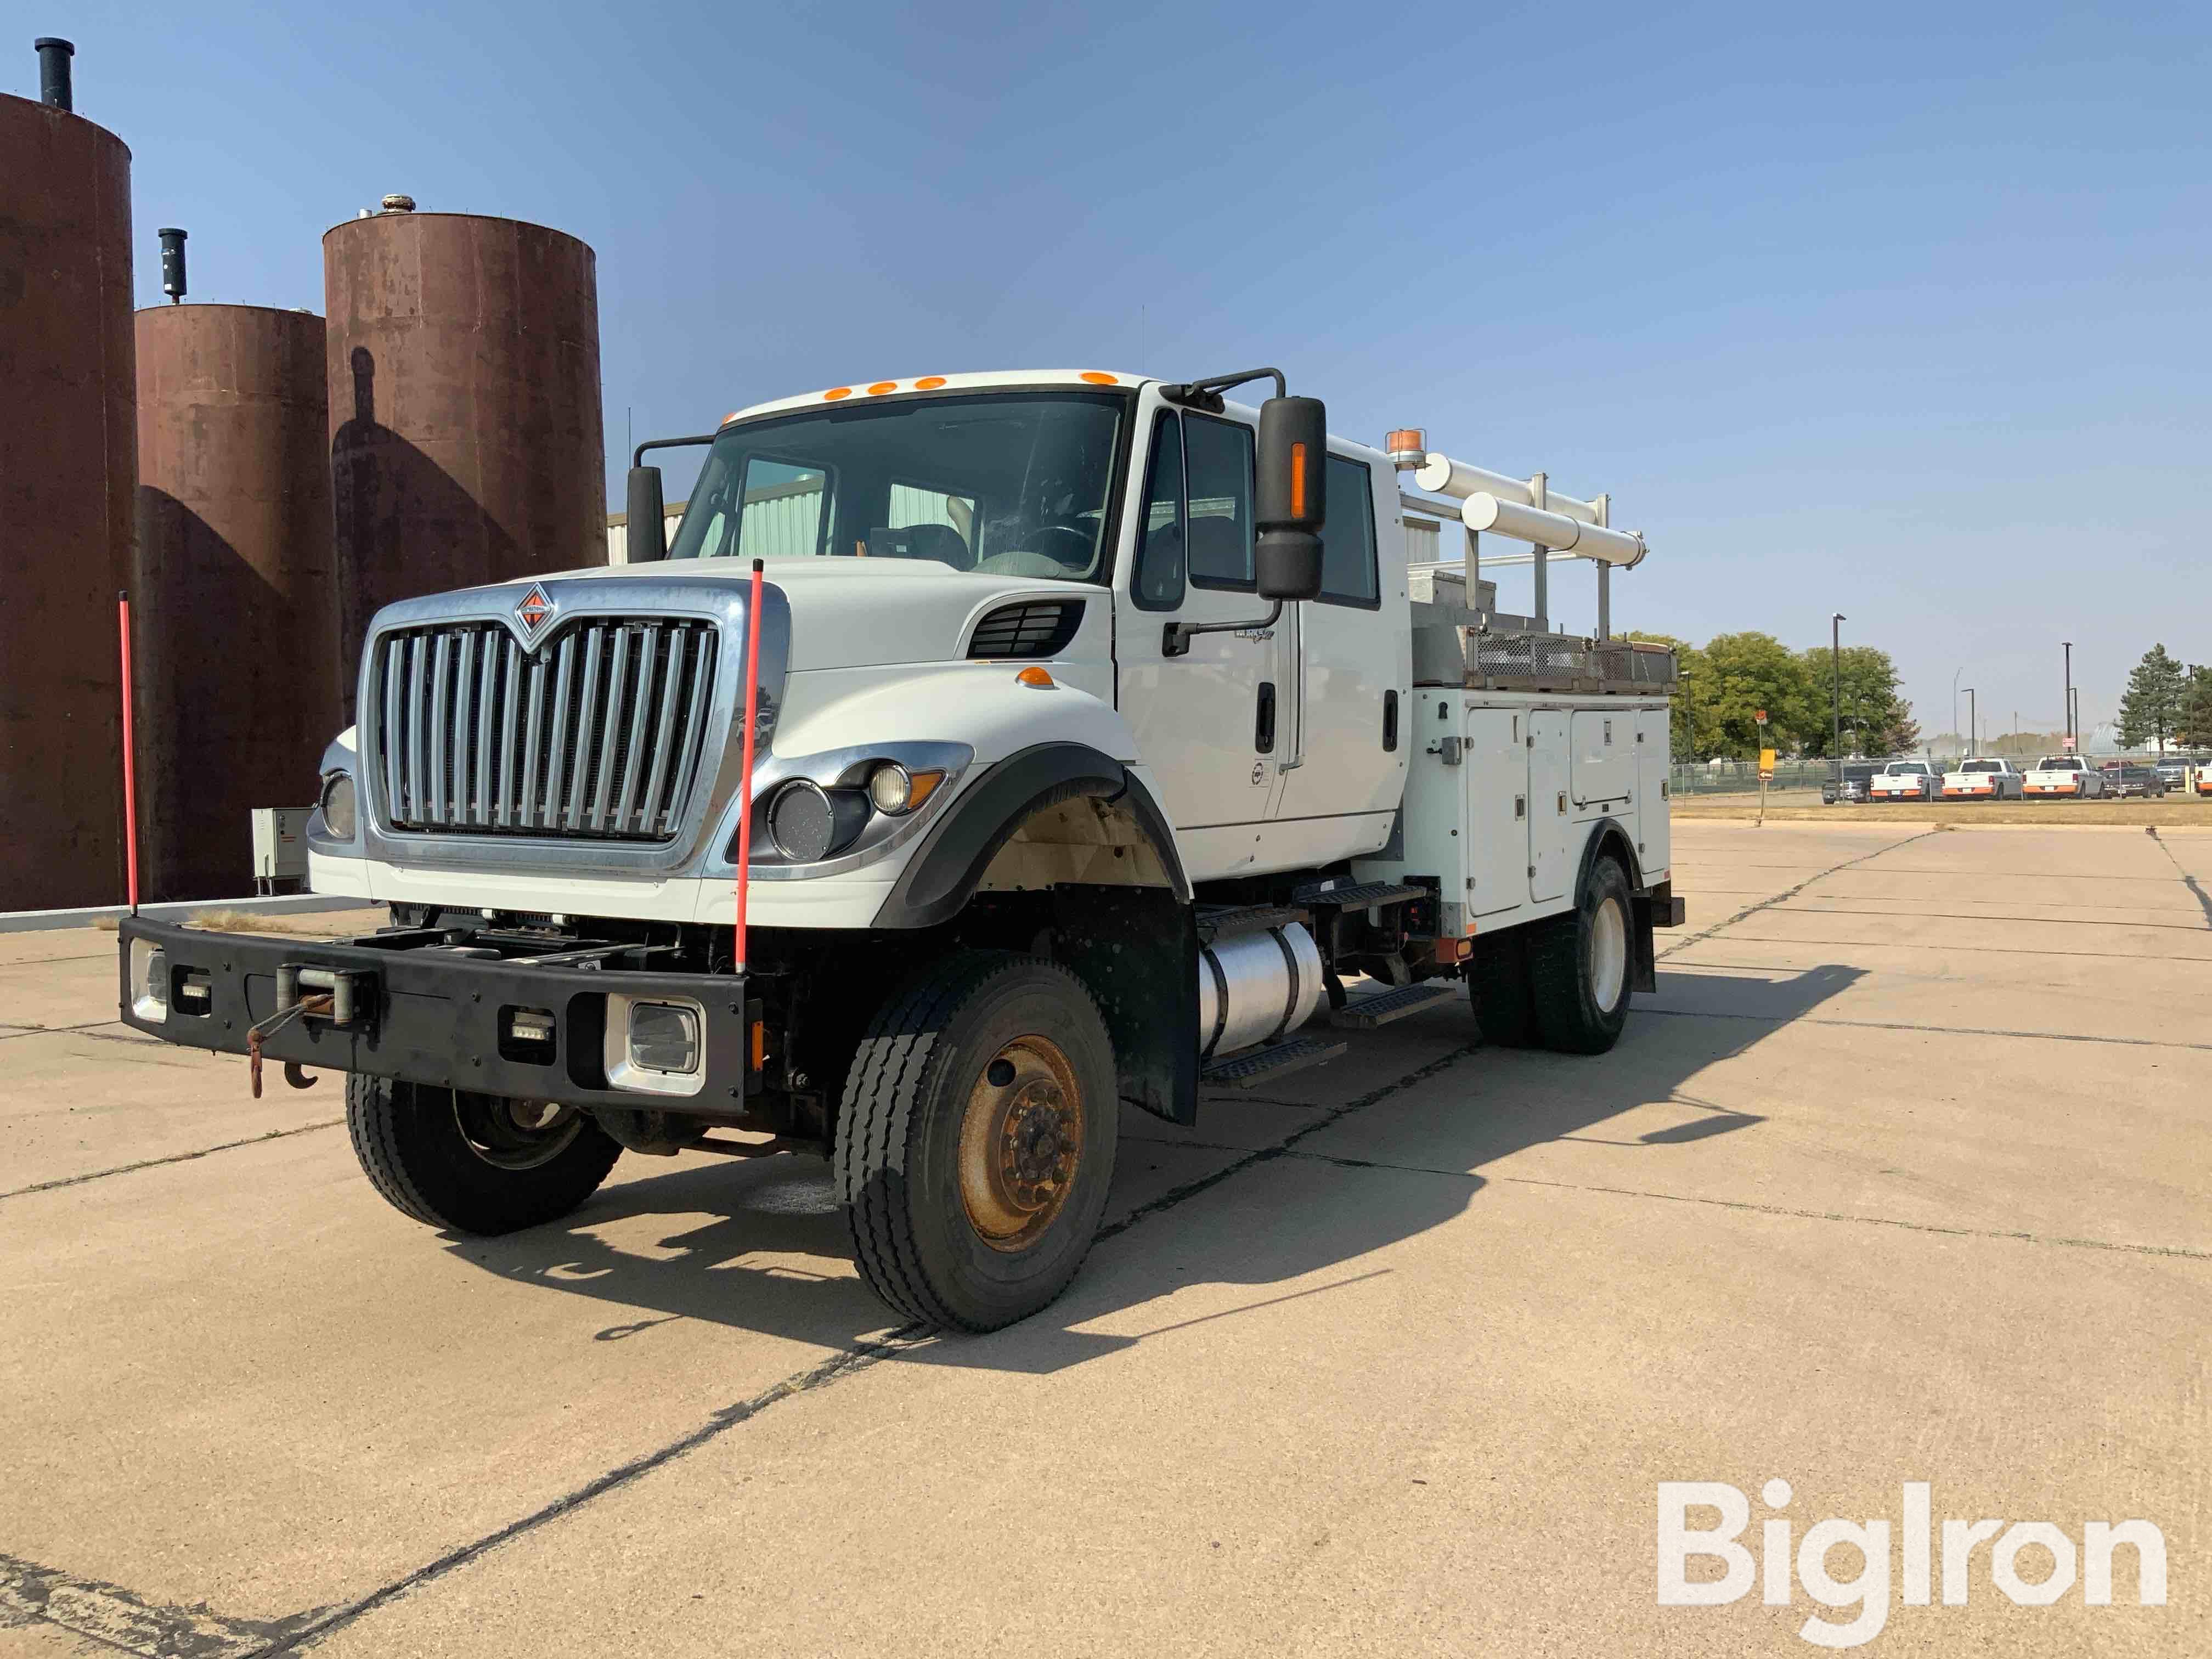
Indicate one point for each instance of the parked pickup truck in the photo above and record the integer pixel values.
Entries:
(1906, 779)
(2063, 777)
(942, 788)
(1983, 780)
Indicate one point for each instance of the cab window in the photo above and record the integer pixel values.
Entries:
(1217, 464)
(1347, 537)
(1156, 583)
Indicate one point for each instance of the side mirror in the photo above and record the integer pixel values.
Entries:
(648, 519)
(1293, 497)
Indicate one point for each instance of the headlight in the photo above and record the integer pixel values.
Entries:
(149, 977)
(338, 805)
(663, 1036)
(809, 823)
(894, 792)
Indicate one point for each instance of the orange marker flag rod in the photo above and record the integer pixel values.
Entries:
(746, 779)
(129, 765)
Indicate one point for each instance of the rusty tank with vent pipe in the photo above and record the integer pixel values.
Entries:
(237, 687)
(465, 437)
(67, 434)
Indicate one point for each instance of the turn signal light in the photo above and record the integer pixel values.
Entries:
(1039, 678)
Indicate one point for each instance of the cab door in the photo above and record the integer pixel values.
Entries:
(1350, 654)
(1209, 722)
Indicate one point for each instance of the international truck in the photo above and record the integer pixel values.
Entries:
(1099, 743)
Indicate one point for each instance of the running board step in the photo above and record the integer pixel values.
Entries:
(1228, 922)
(1255, 1065)
(1365, 1013)
(1364, 896)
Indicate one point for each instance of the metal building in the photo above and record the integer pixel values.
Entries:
(237, 682)
(66, 468)
(464, 421)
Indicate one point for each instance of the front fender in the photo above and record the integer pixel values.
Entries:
(981, 704)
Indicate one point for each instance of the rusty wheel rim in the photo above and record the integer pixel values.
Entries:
(1021, 1143)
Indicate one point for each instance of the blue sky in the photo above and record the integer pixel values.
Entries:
(1897, 310)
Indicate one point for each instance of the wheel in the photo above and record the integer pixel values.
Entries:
(1578, 963)
(472, 1162)
(1499, 992)
(975, 1140)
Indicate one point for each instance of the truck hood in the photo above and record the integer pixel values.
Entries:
(862, 613)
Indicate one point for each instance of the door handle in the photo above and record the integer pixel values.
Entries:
(1263, 729)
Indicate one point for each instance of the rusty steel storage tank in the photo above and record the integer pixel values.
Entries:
(235, 606)
(465, 437)
(66, 467)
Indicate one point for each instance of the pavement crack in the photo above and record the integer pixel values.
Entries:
(1787, 894)
(313, 1628)
(2195, 888)
(119, 1618)
(175, 1157)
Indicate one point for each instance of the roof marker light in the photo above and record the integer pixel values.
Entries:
(1098, 379)
(929, 383)
(881, 387)
(835, 392)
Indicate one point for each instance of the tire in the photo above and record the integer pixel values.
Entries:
(974, 1194)
(1579, 964)
(494, 1176)
(1499, 992)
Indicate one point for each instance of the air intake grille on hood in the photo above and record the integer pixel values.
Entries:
(1037, 628)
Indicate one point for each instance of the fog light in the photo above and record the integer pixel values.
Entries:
(664, 1037)
(530, 1025)
(149, 976)
(894, 791)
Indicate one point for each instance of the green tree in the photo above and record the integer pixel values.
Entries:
(2151, 707)
(2194, 727)
(1881, 719)
(1691, 737)
(1744, 673)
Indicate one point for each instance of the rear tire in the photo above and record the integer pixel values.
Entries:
(975, 1142)
(471, 1162)
(1499, 991)
(1580, 962)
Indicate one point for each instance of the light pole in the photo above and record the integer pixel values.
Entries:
(2073, 732)
(1836, 701)
(1973, 724)
(1954, 698)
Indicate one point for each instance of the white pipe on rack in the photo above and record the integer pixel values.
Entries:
(1554, 530)
(1440, 475)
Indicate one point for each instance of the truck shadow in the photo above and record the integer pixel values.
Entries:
(761, 1246)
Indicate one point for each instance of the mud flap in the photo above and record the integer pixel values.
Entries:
(1643, 953)
(1137, 949)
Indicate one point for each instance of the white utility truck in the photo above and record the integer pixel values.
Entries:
(1982, 779)
(2063, 777)
(1905, 779)
(1104, 733)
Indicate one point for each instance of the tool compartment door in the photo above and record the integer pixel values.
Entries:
(1497, 773)
(1548, 806)
(1603, 764)
(1654, 831)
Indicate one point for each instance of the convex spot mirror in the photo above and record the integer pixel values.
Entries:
(1292, 496)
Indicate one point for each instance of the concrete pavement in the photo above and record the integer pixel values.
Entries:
(1900, 1177)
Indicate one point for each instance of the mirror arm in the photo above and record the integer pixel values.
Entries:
(1176, 636)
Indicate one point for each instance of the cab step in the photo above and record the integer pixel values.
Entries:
(1364, 896)
(1229, 921)
(1256, 1065)
(1365, 1013)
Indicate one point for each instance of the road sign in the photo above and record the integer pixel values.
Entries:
(1766, 765)
(1760, 716)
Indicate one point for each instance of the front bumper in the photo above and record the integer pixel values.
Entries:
(421, 1014)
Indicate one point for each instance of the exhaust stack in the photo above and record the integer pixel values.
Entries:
(54, 57)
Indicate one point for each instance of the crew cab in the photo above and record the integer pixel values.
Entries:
(1982, 779)
(2064, 777)
(1905, 779)
(986, 752)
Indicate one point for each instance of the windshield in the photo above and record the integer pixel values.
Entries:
(1008, 483)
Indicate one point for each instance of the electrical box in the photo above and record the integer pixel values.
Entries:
(280, 846)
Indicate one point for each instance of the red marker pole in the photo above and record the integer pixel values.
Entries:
(130, 764)
(745, 779)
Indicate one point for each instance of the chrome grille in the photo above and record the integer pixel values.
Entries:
(594, 734)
